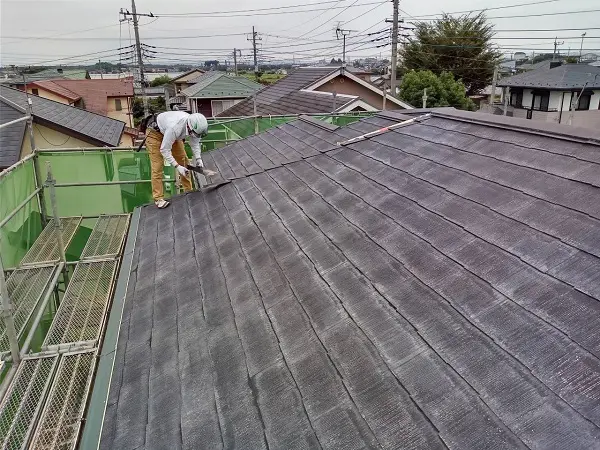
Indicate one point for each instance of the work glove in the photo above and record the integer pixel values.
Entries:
(183, 171)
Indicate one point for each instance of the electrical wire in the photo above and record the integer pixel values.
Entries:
(490, 9)
(584, 11)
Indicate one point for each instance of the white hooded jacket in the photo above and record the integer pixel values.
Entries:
(173, 126)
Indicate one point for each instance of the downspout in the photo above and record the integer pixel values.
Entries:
(562, 102)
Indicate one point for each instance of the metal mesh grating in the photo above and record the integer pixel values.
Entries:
(22, 402)
(45, 247)
(25, 288)
(61, 419)
(81, 312)
(107, 237)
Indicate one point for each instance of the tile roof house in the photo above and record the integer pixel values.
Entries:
(433, 284)
(213, 92)
(56, 125)
(310, 90)
(111, 98)
(548, 94)
(47, 74)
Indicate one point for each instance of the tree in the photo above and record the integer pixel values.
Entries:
(442, 90)
(160, 81)
(571, 60)
(460, 45)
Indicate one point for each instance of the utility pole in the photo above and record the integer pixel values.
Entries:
(235, 55)
(254, 39)
(581, 48)
(138, 48)
(494, 82)
(556, 44)
(343, 33)
(394, 48)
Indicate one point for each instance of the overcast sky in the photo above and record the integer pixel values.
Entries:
(47, 30)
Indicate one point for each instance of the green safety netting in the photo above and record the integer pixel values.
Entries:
(19, 232)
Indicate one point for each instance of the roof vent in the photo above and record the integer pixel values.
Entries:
(554, 64)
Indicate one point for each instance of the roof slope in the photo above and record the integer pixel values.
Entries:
(567, 76)
(284, 96)
(434, 286)
(55, 87)
(11, 137)
(55, 73)
(96, 92)
(93, 127)
(219, 84)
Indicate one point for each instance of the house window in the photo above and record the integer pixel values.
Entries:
(541, 101)
(584, 102)
(118, 105)
(218, 106)
(35, 92)
(516, 98)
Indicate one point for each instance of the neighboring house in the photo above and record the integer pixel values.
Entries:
(547, 94)
(214, 92)
(316, 90)
(47, 74)
(184, 80)
(56, 125)
(111, 98)
(431, 286)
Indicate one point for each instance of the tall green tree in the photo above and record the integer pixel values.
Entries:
(442, 90)
(159, 81)
(460, 45)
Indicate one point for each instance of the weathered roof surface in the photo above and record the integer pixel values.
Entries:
(284, 96)
(95, 93)
(567, 76)
(434, 286)
(11, 137)
(56, 73)
(88, 125)
(219, 84)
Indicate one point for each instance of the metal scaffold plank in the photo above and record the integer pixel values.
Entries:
(26, 287)
(80, 316)
(61, 419)
(46, 248)
(23, 401)
(107, 237)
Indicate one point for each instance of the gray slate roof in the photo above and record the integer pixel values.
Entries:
(91, 127)
(11, 137)
(284, 96)
(567, 76)
(435, 286)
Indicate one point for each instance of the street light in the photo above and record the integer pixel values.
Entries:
(581, 48)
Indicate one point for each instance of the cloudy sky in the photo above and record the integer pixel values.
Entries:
(85, 31)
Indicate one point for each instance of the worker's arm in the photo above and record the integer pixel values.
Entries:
(168, 140)
(195, 145)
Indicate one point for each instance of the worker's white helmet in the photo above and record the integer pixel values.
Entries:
(197, 124)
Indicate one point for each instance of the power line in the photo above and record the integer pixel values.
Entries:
(490, 9)
(518, 16)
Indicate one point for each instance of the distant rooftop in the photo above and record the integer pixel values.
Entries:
(220, 84)
(566, 76)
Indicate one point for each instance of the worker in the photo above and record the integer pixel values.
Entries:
(165, 134)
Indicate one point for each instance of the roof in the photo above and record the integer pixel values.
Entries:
(185, 74)
(55, 73)
(433, 286)
(56, 88)
(285, 96)
(567, 76)
(11, 137)
(219, 84)
(96, 92)
(154, 90)
(91, 127)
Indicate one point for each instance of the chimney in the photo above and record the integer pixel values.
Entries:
(554, 64)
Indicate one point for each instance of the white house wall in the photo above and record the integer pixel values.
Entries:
(556, 97)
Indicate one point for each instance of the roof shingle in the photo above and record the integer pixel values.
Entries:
(433, 286)
(567, 76)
